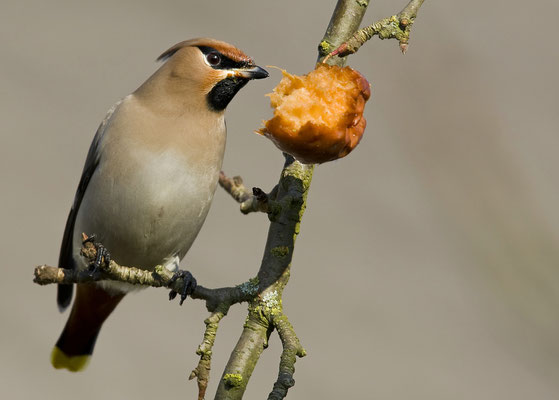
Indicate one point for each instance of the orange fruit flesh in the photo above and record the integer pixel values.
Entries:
(318, 117)
(318, 99)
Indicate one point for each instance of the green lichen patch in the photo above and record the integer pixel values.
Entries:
(234, 380)
(324, 47)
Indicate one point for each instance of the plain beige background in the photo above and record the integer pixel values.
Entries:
(427, 265)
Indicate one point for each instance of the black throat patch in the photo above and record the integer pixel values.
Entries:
(222, 93)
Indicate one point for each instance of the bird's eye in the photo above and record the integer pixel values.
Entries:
(213, 58)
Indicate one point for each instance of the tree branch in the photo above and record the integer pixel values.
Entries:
(202, 370)
(345, 21)
(285, 206)
(273, 275)
(257, 201)
(394, 27)
(291, 349)
(159, 277)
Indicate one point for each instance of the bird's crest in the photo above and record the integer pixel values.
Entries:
(226, 49)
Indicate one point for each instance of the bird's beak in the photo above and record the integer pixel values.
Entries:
(252, 73)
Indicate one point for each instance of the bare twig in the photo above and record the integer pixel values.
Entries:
(202, 370)
(159, 277)
(235, 187)
(394, 27)
(257, 201)
(291, 350)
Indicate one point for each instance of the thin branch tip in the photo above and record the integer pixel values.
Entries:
(404, 48)
(394, 27)
(202, 370)
(255, 200)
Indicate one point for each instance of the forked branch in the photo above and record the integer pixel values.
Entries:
(394, 27)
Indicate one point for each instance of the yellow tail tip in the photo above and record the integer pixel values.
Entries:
(60, 360)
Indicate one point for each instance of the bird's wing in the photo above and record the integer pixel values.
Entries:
(66, 259)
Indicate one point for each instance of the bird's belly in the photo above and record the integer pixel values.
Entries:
(148, 212)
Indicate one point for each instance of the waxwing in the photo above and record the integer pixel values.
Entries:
(149, 179)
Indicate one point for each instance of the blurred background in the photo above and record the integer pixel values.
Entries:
(427, 264)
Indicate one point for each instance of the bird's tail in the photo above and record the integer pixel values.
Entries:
(75, 345)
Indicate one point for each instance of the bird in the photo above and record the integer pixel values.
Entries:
(148, 181)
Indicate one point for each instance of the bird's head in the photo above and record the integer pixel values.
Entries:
(210, 68)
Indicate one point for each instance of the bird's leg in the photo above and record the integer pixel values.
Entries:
(188, 285)
(103, 254)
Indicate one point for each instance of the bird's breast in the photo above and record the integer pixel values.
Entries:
(149, 197)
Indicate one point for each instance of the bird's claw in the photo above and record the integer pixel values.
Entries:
(188, 286)
(103, 256)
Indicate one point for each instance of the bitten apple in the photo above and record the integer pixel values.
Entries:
(318, 117)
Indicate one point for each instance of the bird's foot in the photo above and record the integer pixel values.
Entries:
(103, 257)
(188, 285)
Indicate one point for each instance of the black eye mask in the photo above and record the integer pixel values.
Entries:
(226, 62)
